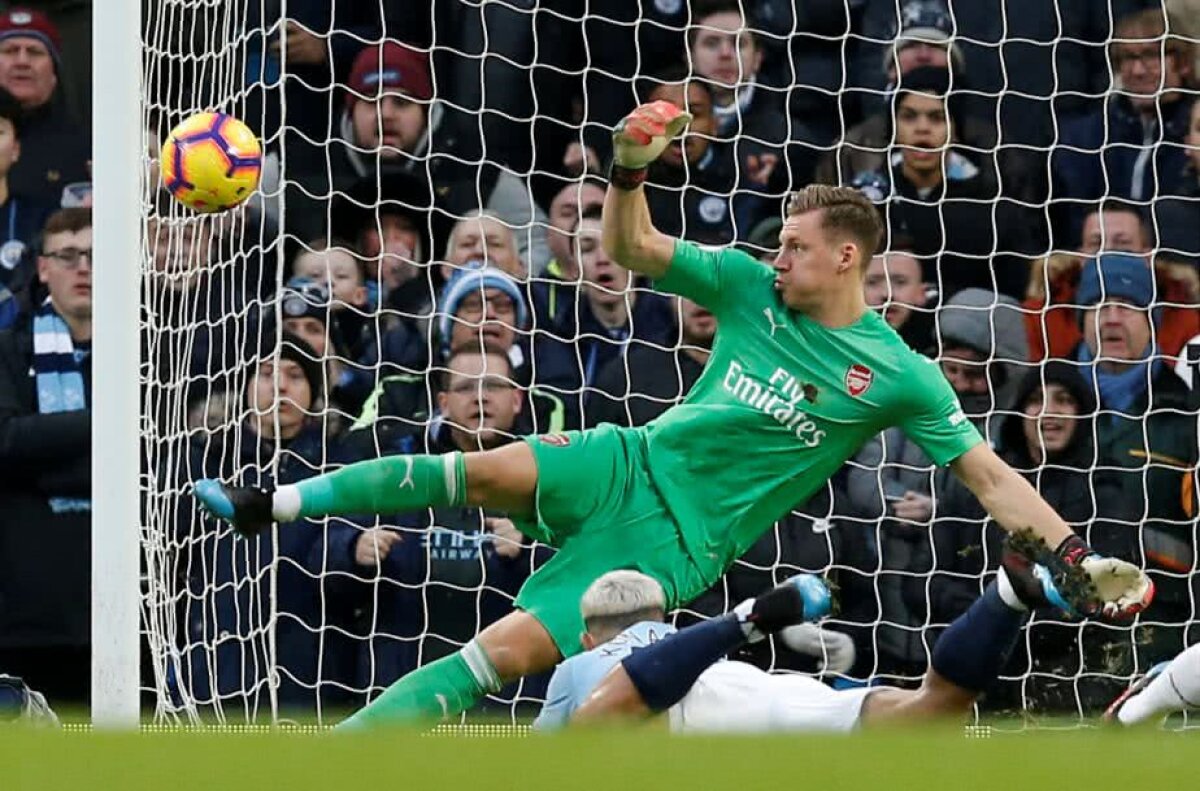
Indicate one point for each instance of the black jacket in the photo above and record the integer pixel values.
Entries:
(640, 385)
(55, 151)
(45, 558)
(972, 236)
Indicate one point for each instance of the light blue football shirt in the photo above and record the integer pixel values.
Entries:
(575, 678)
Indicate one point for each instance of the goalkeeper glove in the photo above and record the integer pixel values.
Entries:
(639, 139)
(1120, 589)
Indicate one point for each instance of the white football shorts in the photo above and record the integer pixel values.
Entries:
(735, 697)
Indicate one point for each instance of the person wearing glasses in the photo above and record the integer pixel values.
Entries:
(1131, 146)
(45, 455)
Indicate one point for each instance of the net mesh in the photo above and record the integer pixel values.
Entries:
(405, 146)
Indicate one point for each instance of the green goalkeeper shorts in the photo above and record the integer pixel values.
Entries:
(597, 505)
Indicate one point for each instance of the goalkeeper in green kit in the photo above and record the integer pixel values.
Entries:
(802, 373)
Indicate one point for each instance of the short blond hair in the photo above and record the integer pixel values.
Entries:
(619, 599)
(843, 210)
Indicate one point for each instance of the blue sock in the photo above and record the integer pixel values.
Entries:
(665, 671)
(975, 647)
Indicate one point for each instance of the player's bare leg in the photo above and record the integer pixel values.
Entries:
(504, 478)
(937, 699)
(515, 646)
(518, 645)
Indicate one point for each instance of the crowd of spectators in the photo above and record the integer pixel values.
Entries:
(423, 271)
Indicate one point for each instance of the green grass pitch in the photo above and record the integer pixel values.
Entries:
(932, 760)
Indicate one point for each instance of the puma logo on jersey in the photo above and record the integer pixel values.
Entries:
(771, 318)
(407, 482)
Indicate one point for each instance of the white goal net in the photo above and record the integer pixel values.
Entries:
(421, 271)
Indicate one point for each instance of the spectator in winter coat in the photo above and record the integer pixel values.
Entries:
(318, 38)
(392, 121)
(480, 308)
(45, 460)
(613, 315)
(308, 314)
(57, 148)
(335, 266)
(924, 37)
(557, 288)
(1129, 147)
(943, 201)
(440, 576)
(1049, 439)
(751, 118)
(228, 615)
(387, 220)
(1145, 431)
(1052, 321)
(983, 353)
(566, 209)
(1178, 202)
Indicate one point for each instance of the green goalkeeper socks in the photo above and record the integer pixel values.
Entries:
(449, 686)
(393, 484)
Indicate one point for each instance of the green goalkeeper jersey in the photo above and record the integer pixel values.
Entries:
(782, 404)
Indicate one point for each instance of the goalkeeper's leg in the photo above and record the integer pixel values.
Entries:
(515, 646)
(504, 479)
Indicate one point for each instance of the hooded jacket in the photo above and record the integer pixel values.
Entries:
(992, 325)
(459, 186)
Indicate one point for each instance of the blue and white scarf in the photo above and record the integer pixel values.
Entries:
(1119, 391)
(57, 370)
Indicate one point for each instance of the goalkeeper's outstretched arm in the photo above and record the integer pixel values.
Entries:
(629, 236)
(1121, 589)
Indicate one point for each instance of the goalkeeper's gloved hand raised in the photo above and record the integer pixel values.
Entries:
(1120, 589)
(641, 137)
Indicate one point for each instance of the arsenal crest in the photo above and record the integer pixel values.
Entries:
(858, 379)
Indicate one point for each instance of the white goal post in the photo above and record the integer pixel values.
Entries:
(118, 169)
